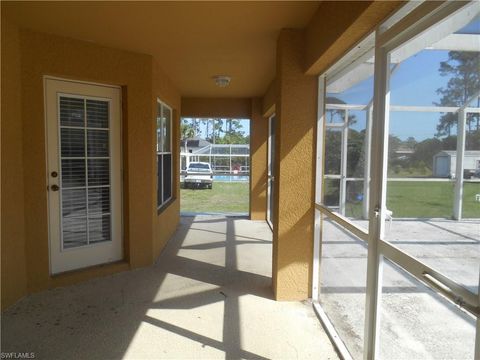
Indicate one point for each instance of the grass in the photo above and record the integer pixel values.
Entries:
(426, 199)
(405, 198)
(430, 199)
(222, 198)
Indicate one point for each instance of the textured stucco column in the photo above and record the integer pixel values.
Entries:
(296, 109)
(258, 162)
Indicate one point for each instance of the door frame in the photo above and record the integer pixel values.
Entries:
(270, 172)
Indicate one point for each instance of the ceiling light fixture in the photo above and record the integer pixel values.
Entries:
(222, 80)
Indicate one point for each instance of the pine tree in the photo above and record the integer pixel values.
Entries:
(464, 69)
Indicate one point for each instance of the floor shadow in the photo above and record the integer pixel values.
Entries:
(453, 232)
(99, 319)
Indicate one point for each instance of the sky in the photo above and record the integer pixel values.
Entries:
(414, 82)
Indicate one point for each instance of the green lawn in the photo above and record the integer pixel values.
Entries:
(223, 198)
(405, 199)
(429, 199)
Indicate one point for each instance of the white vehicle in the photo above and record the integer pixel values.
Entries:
(199, 174)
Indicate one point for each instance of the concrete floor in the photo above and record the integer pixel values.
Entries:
(207, 297)
(415, 322)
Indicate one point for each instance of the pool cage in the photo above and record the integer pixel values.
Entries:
(225, 159)
(350, 189)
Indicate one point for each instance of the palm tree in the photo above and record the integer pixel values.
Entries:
(187, 131)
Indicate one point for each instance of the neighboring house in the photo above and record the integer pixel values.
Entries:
(225, 158)
(445, 162)
(194, 144)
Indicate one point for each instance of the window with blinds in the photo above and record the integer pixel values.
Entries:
(164, 154)
(85, 171)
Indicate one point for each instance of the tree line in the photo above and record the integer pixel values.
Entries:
(217, 131)
(416, 159)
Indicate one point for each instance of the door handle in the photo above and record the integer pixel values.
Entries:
(54, 187)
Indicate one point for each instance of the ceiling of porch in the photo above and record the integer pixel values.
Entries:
(192, 41)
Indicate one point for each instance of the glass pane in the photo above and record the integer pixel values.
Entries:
(435, 70)
(72, 112)
(98, 172)
(99, 229)
(331, 195)
(73, 173)
(471, 164)
(416, 149)
(221, 164)
(98, 143)
(349, 103)
(240, 150)
(74, 202)
(159, 127)
(343, 277)
(417, 323)
(420, 199)
(74, 231)
(354, 199)
(159, 180)
(333, 151)
(221, 149)
(97, 114)
(167, 123)
(98, 200)
(356, 144)
(72, 142)
(471, 200)
(334, 116)
(167, 176)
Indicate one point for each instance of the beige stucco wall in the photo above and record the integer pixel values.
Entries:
(296, 111)
(269, 99)
(142, 82)
(216, 107)
(14, 278)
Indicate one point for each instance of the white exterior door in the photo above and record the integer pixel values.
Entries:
(84, 174)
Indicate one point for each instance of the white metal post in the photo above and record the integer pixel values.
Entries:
(366, 169)
(477, 337)
(317, 249)
(343, 164)
(230, 159)
(378, 183)
(269, 171)
(458, 199)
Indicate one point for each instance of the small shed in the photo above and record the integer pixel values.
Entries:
(445, 162)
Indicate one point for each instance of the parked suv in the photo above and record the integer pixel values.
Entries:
(199, 174)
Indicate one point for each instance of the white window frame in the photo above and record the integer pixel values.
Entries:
(159, 146)
(413, 24)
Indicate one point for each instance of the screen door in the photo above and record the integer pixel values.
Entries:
(84, 174)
